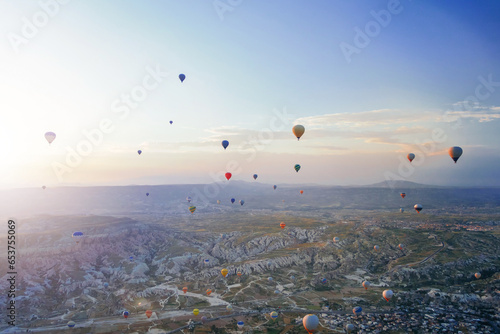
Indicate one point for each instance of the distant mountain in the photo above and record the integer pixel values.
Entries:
(402, 184)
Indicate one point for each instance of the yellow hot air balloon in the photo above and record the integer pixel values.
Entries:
(298, 131)
(192, 209)
(455, 152)
(224, 272)
(196, 311)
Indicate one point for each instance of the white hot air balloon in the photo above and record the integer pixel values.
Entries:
(50, 136)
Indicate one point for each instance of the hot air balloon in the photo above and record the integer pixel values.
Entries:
(224, 272)
(147, 194)
(229, 307)
(418, 207)
(225, 144)
(270, 279)
(171, 122)
(182, 77)
(50, 136)
(255, 176)
(387, 294)
(274, 314)
(196, 311)
(455, 152)
(401, 246)
(401, 210)
(410, 156)
(357, 310)
(71, 324)
(239, 273)
(301, 192)
(209, 292)
(131, 258)
(310, 323)
(240, 324)
(218, 201)
(349, 328)
(149, 313)
(77, 236)
(192, 209)
(297, 167)
(323, 280)
(203, 319)
(105, 284)
(125, 314)
(185, 289)
(282, 225)
(298, 131)
(275, 186)
(232, 200)
(376, 247)
(228, 175)
(366, 285)
(242, 202)
(477, 275)
(43, 187)
(403, 195)
(189, 199)
(139, 152)
(336, 239)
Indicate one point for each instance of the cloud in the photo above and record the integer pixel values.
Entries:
(467, 110)
(366, 118)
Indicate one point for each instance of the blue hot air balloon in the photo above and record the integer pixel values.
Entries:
(71, 324)
(240, 324)
(225, 144)
(131, 258)
(275, 186)
(171, 122)
(147, 194)
(323, 280)
(207, 261)
(106, 284)
(255, 176)
(139, 152)
(232, 200)
(182, 77)
(242, 202)
(357, 310)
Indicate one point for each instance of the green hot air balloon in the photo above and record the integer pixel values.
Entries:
(192, 209)
(297, 167)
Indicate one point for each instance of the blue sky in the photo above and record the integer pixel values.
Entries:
(253, 72)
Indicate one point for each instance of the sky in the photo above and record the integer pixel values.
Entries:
(370, 81)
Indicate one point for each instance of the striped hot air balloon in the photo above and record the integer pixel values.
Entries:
(192, 209)
(297, 167)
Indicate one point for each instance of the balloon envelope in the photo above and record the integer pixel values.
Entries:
(50, 136)
(349, 328)
(229, 307)
(71, 324)
(297, 167)
(228, 175)
(366, 285)
(274, 314)
(189, 199)
(147, 194)
(125, 314)
(184, 289)
(232, 200)
(282, 225)
(403, 195)
(418, 207)
(336, 239)
(225, 144)
(357, 310)
(401, 246)
(410, 156)
(298, 130)
(192, 209)
(242, 202)
(196, 311)
(376, 248)
(240, 324)
(387, 294)
(275, 186)
(477, 275)
(301, 192)
(182, 77)
(171, 122)
(310, 322)
(224, 272)
(139, 152)
(255, 176)
(455, 152)
(149, 313)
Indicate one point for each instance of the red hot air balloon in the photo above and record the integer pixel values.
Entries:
(403, 195)
(228, 175)
(282, 225)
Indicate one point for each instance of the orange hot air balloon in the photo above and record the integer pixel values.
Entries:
(149, 313)
(403, 195)
(209, 292)
(298, 130)
(301, 192)
(228, 175)
(366, 285)
(239, 273)
(387, 294)
(224, 272)
(185, 289)
(282, 225)
(455, 152)
(477, 275)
